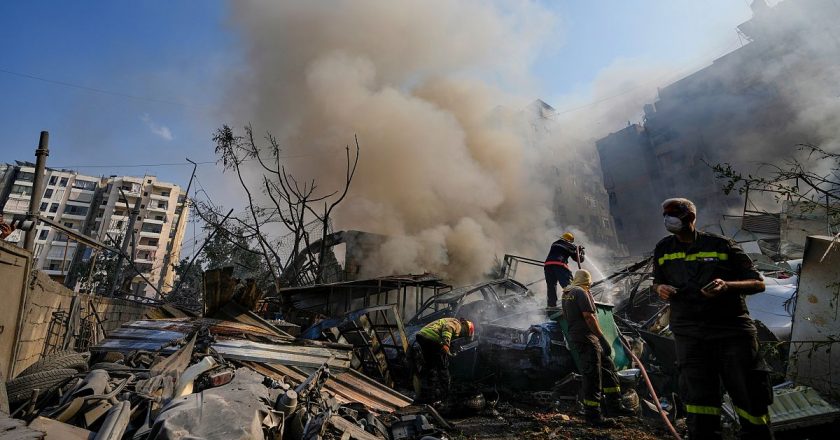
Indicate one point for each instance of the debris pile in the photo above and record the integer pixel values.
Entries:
(348, 373)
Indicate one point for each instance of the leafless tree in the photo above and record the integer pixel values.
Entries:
(292, 204)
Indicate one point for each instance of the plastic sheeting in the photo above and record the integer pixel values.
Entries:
(240, 410)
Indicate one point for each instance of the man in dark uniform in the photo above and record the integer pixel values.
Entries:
(593, 350)
(705, 277)
(556, 267)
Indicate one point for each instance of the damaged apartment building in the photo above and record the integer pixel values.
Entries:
(574, 175)
(754, 104)
(99, 207)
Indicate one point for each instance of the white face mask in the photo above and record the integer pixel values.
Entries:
(673, 224)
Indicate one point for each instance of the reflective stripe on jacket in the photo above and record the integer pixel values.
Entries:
(441, 331)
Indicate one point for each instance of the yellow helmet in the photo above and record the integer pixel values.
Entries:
(568, 237)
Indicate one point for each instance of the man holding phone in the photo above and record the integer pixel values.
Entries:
(705, 278)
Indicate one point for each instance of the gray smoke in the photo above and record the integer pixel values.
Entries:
(441, 171)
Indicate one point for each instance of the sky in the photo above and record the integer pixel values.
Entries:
(134, 88)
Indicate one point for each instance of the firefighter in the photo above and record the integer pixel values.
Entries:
(705, 278)
(593, 350)
(556, 265)
(432, 348)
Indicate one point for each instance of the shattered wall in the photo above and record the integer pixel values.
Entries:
(814, 358)
(31, 300)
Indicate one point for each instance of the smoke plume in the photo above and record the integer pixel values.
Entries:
(445, 169)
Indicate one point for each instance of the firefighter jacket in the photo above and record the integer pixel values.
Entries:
(560, 252)
(690, 266)
(441, 331)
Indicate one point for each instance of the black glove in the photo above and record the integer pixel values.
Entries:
(581, 250)
(605, 346)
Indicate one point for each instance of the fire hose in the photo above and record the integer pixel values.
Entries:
(650, 388)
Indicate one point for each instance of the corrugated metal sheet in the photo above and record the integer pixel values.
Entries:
(349, 386)
(162, 335)
(762, 223)
(796, 407)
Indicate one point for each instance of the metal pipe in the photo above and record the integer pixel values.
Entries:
(37, 188)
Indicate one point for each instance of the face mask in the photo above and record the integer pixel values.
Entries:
(673, 224)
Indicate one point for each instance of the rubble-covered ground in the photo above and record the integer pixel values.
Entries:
(518, 420)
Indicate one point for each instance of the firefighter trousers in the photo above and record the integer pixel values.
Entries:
(554, 275)
(434, 376)
(736, 364)
(599, 378)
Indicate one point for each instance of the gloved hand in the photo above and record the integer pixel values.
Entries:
(447, 352)
(581, 250)
(606, 347)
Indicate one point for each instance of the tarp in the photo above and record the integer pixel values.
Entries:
(604, 313)
(236, 411)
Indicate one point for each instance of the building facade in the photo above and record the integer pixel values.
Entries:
(572, 169)
(749, 108)
(100, 207)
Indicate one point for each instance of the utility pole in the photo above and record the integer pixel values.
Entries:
(90, 221)
(169, 243)
(126, 238)
(37, 189)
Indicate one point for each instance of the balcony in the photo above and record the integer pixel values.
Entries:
(157, 208)
(147, 247)
(66, 216)
(154, 221)
(160, 197)
(150, 234)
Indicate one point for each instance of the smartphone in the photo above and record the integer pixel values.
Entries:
(708, 287)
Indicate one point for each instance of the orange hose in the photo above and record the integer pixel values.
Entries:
(650, 388)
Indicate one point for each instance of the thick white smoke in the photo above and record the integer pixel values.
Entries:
(443, 171)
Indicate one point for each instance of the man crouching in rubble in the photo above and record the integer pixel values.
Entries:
(433, 341)
(705, 278)
(593, 350)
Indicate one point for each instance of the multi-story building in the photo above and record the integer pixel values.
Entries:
(95, 206)
(749, 107)
(572, 169)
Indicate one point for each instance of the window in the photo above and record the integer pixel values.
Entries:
(84, 184)
(147, 227)
(48, 193)
(53, 180)
(75, 210)
(63, 182)
(68, 224)
(54, 207)
(22, 190)
(159, 217)
(44, 206)
(26, 176)
(142, 206)
(145, 193)
(43, 234)
(165, 193)
(149, 181)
